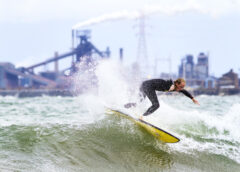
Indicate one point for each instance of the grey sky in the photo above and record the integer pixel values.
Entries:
(31, 30)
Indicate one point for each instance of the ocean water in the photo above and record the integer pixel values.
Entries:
(76, 134)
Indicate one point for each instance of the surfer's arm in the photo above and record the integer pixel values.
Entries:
(186, 93)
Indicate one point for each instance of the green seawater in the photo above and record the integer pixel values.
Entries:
(76, 134)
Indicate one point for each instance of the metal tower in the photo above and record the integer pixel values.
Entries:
(142, 58)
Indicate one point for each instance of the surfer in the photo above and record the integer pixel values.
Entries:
(148, 88)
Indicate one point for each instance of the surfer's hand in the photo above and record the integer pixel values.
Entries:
(195, 101)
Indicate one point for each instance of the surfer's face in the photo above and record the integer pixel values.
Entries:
(180, 86)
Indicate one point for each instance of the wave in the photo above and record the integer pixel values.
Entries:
(112, 143)
(203, 131)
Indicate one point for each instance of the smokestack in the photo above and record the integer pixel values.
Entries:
(73, 39)
(56, 63)
(121, 54)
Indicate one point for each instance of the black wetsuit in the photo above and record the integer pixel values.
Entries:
(149, 88)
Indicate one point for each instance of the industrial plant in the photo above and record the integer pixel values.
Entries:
(12, 78)
(197, 76)
(85, 55)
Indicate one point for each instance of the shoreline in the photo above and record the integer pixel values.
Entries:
(37, 93)
(21, 93)
(217, 91)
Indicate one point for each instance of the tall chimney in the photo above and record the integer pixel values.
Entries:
(121, 54)
(56, 63)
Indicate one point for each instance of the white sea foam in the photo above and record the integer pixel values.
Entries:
(179, 115)
(226, 130)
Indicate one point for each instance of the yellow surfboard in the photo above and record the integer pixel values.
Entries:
(155, 131)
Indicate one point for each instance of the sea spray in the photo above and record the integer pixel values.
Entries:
(115, 83)
(84, 79)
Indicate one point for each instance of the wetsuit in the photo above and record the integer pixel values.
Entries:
(149, 88)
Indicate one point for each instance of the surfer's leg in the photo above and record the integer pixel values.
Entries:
(154, 100)
(142, 94)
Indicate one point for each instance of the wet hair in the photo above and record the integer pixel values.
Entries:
(179, 81)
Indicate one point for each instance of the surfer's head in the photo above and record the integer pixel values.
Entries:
(179, 84)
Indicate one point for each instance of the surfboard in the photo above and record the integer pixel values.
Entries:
(160, 134)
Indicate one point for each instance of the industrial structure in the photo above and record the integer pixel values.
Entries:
(85, 55)
(142, 63)
(12, 78)
(25, 77)
(195, 74)
(229, 80)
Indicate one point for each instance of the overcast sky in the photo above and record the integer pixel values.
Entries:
(32, 30)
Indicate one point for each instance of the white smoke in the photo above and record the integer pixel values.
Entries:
(213, 8)
(108, 17)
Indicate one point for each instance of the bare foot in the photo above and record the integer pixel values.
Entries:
(141, 117)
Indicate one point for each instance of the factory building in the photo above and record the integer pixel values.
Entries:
(186, 69)
(229, 80)
(7, 79)
(194, 74)
(12, 78)
(197, 75)
(201, 67)
(211, 82)
(24, 77)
